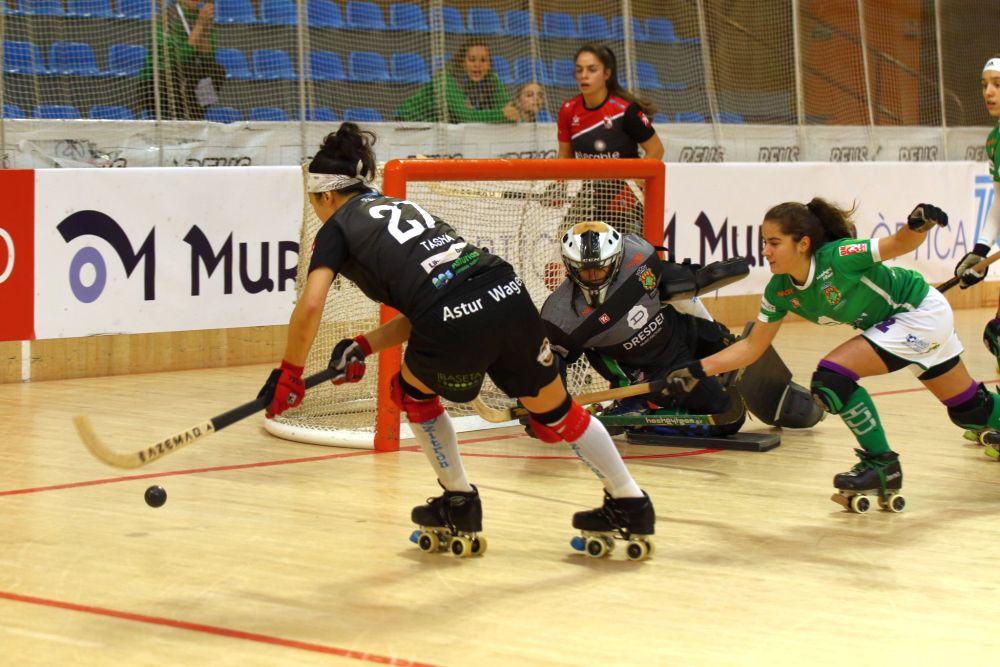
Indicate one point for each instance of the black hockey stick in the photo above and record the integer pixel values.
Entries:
(733, 414)
(498, 415)
(161, 448)
(951, 282)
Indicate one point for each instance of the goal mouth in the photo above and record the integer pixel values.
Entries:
(519, 210)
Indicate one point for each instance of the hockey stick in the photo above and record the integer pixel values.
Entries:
(161, 448)
(733, 414)
(479, 193)
(499, 415)
(954, 280)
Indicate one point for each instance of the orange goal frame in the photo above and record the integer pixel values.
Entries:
(397, 173)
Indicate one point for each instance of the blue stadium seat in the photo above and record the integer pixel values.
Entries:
(273, 65)
(646, 74)
(592, 26)
(56, 112)
(364, 15)
(221, 114)
(110, 112)
(409, 68)
(407, 16)
(134, 9)
(502, 68)
(518, 23)
(618, 29)
(366, 66)
(234, 62)
(559, 24)
(72, 59)
(362, 115)
(126, 59)
(690, 117)
(267, 114)
(324, 14)
(41, 8)
(483, 21)
(544, 117)
(234, 11)
(278, 12)
(523, 71)
(660, 29)
(564, 72)
(731, 117)
(11, 110)
(324, 66)
(449, 18)
(324, 114)
(23, 58)
(660, 118)
(89, 9)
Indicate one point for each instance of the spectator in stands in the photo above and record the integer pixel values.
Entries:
(472, 91)
(605, 121)
(189, 76)
(529, 101)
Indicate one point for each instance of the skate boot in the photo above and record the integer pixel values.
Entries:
(880, 474)
(450, 521)
(628, 519)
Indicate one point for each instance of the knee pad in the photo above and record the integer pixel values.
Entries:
(418, 406)
(565, 423)
(974, 413)
(831, 389)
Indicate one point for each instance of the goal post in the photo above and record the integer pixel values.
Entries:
(519, 210)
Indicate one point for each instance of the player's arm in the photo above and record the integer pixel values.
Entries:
(394, 332)
(921, 220)
(740, 354)
(652, 149)
(565, 150)
(307, 314)
(965, 269)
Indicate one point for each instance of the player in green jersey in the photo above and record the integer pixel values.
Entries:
(825, 275)
(990, 231)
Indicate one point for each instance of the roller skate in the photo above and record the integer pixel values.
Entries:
(628, 519)
(990, 440)
(874, 473)
(451, 521)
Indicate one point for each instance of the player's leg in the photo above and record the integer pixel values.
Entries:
(970, 404)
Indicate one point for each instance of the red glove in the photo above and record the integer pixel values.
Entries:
(284, 389)
(348, 359)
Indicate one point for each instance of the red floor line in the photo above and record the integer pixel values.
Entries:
(573, 457)
(215, 630)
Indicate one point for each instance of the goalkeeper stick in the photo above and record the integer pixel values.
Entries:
(498, 415)
(161, 448)
(985, 262)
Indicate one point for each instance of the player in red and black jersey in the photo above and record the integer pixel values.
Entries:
(605, 122)
(465, 315)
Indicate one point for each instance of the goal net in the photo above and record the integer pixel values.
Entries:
(518, 209)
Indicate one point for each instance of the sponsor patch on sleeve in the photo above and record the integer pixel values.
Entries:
(853, 248)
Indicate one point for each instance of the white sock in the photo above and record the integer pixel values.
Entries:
(440, 445)
(595, 448)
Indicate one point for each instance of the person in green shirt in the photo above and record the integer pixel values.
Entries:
(189, 76)
(466, 90)
(828, 277)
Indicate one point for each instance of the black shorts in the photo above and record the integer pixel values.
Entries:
(489, 328)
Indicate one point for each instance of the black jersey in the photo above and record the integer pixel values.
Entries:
(613, 130)
(397, 253)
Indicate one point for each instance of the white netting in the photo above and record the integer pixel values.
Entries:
(520, 221)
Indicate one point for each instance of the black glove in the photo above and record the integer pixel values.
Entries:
(348, 359)
(925, 216)
(682, 380)
(965, 269)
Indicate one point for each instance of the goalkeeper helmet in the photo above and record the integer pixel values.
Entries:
(592, 253)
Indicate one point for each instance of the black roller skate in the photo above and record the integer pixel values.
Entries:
(874, 473)
(628, 519)
(451, 521)
(990, 440)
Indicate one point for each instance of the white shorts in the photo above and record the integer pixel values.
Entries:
(925, 336)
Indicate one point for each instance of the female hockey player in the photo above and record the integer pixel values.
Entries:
(474, 321)
(828, 277)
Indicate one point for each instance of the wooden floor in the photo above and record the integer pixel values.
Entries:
(275, 553)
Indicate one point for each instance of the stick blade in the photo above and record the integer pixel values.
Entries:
(100, 450)
(490, 414)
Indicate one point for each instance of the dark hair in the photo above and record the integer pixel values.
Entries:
(607, 58)
(483, 94)
(342, 152)
(820, 220)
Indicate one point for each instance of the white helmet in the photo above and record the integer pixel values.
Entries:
(592, 245)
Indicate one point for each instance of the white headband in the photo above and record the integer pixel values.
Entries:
(327, 182)
(992, 64)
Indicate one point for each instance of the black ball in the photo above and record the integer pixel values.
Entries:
(156, 496)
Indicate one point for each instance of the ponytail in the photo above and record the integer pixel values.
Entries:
(819, 220)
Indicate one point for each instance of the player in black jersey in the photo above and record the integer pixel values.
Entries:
(605, 122)
(465, 315)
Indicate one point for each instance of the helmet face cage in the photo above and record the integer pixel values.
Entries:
(592, 245)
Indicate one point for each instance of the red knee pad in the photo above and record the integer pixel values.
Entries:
(416, 410)
(569, 428)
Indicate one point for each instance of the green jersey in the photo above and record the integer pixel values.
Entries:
(992, 155)
(847, 284)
